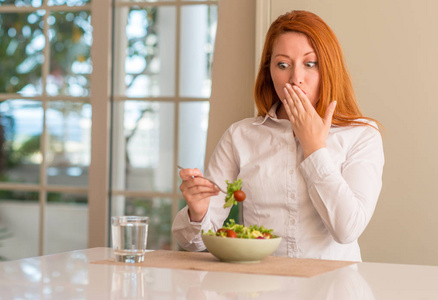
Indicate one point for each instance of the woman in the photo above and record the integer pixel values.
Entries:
(310, 163)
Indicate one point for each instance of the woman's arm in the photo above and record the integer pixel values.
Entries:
(221, 167)
(346, 197)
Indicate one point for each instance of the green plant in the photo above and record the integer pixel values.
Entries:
(160, 219)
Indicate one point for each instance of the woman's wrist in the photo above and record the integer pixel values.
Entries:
(307, 151)
(196, 217)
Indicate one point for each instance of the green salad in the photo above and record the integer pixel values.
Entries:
(233, 230)
(234, 193)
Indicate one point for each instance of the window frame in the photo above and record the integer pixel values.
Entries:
(101, 96)
(175, 195)
(42, 188)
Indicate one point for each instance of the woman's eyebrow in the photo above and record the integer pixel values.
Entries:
(284, 55)
(287, 56)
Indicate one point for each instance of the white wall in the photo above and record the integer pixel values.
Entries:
(391, 49)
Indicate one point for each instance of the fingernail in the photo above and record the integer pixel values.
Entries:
(288, 85)
(286, 92)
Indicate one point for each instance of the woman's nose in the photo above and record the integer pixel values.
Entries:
(296, 76)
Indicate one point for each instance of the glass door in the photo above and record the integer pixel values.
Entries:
(66, 95)
(45, 126)
(162, 84)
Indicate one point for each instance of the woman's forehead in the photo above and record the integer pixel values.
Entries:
(292, 42)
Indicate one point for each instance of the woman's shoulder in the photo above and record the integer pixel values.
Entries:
(363, 132)
(244, 124)
(368, 123)
(359, 125)
(362, 135)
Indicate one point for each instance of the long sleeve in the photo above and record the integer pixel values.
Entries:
(345, 196)
(221, 167)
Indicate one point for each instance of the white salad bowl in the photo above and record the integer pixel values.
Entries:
(238, 250)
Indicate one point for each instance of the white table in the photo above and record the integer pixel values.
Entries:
(70, 276)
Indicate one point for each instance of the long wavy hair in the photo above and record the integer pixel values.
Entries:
(335, 83)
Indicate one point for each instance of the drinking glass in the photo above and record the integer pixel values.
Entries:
(129, 235)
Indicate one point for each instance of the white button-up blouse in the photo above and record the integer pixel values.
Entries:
(319, 205)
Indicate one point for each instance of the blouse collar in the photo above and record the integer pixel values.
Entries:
(272, 114)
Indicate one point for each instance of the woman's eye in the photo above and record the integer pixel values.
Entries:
(282, 66)
(311, 64)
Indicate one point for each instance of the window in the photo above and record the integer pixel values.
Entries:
(54, 117)
(162, 84)
(45, 122)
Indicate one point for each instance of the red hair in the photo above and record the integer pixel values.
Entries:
(335, 83)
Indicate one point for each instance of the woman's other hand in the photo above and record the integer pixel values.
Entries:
(197, 192)
(310, 129)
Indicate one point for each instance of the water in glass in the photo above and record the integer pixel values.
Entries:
(129, 239)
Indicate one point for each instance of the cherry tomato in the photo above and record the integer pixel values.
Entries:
(231, 233)
(220, 230)
(239, 195)
(267, 235)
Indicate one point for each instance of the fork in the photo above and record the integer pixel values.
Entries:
(181, 168)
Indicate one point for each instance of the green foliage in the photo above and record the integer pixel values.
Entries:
(23, 41)
(72, 199)
(30, 146)
(52, 197)
(145, 46)
(15, 157)
(69, 45)
(26, 149)
(18, 195)
(159, 212)
(22, 66)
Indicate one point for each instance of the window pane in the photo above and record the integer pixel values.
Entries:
(68, 153)
(70, 37)
(181, 204)
(193, 124)
(66, 223)
(22, 123)
(159, 211)
(21, 57)
(144, 147)
(68, 2)
(198, 32)
(19, 239)
(18, 3)
(145, 51)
